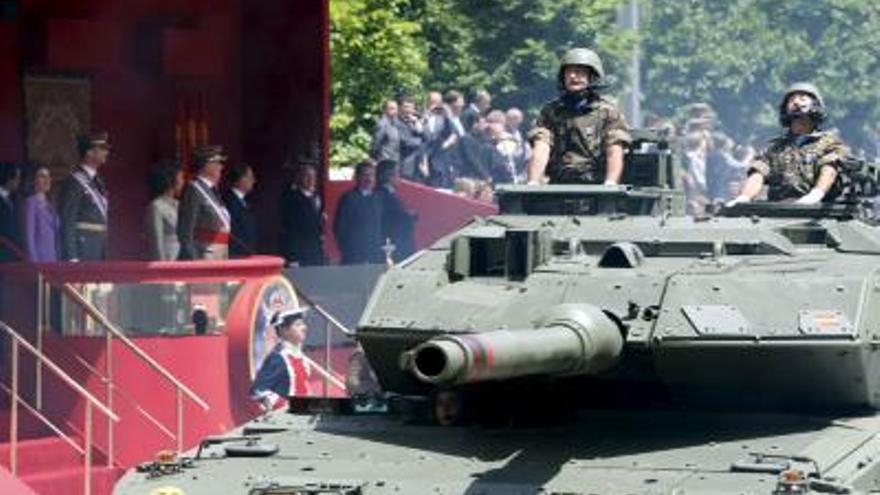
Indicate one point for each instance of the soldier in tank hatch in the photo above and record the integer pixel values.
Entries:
(802, 164)
(579, 137)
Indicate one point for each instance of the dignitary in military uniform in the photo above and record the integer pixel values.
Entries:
(802, 163)
(284, 372)
(82, 202)
(579, 137)
(203, 223)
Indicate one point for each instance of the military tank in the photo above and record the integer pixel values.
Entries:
(731, 353)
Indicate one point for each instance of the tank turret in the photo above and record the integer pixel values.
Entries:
(605, 280)
(608, 291)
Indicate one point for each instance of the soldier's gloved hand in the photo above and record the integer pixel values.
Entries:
(609, 183)
(737, 200)
(814, 196)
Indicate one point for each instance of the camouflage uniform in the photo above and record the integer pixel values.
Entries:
(578, 140)
(790, 169)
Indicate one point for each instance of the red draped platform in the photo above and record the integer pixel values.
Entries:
(216, 366)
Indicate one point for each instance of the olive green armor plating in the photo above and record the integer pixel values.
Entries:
(608, 289)
(777, 301)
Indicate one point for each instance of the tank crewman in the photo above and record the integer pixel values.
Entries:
(579, 137)
(284, 372)
(203, 223)
(82, 202)
(802, 163)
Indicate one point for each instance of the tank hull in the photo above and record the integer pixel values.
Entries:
(721, 307)
(603, 451)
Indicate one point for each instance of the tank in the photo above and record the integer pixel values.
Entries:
(606, 343)
(777, 302)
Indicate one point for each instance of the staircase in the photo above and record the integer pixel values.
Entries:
(49, 465)
(35, 449)
(54, 450)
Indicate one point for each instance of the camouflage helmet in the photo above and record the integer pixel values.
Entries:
(580, 56)
(817, 114)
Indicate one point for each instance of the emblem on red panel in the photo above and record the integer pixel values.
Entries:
(275, 296)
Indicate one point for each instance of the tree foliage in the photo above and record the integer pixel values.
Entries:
(376, 53)
(740, 55)
(509, 47)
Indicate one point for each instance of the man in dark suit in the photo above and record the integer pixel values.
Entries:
(358, 222)
(412, 139)
(398, 222)
(444, 131)
(386, 137)
(82, 203)
(302, 220)
(478, 107)
(10, 177)
(203, 223)
(241, 180)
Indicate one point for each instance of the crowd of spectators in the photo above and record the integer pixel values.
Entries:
(447, 144)
(467, 149)
(712, 165)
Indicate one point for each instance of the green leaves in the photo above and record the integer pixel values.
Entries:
(376, 53)
(740, 55)
(381, 48)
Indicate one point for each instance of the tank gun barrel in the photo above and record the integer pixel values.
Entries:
(576, 339)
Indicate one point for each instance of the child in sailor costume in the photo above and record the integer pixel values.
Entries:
(284, 372)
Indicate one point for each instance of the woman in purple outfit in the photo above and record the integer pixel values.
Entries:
(41, 220)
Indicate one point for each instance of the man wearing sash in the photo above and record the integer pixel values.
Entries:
(203, 223)
(82, 203)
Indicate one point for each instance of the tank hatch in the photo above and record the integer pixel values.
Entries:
(589, 200)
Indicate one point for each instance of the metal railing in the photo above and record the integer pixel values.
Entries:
(129, 399)
(43, 313)
(112, 331)
(326, 371)
(19, 342)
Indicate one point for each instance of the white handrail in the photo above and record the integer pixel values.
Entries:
(321, 371)
(323, 312)
(106, 323)
(46, 421)
(90, 403)
(58, 371)
(131, 400)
